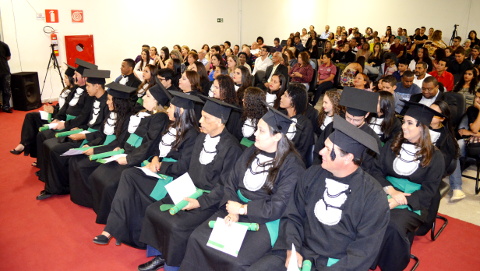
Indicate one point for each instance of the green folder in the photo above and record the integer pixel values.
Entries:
(67, 133)
(105, 154)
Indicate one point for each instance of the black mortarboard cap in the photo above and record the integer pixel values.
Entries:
(217, 108)
(184, 100)
(351, 139)
(358, 101)
(84, 65)
(277, 120)
(420, 112)
(120, 91)
(70, 71)
(160, 93)
(96, 76)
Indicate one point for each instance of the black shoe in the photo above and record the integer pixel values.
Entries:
(16, 152)
(155, 264)
(7, 109)
(44, 195)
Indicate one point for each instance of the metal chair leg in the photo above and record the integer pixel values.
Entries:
(434, 235)
(417, 262)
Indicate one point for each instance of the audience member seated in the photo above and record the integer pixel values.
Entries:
(275, 90)
(275, 68)
(420, 73)
(127, 76)
(431, 93)
(402, 68)
(468, 86)
(442, 75)
(397, 48)
(138, 70)
(344, 55)
(404, 90)
(263, 61)
(242, 59)
(361, 81)
(302, 72)
(348, 74)
(421, 56)
(458, 66)
(385, 123)
(325, 78)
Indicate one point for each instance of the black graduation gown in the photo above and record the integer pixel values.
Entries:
(395, 251)
(133, 194)
(445, 143)
(375, 124)
(349, 229)
(33, 122)
(312, 114)
(131, 80)
(80, 166)
(368, 157)
(104, 180)
(56, 166)
(169, 234)
(261, 209)
(303, 139)
(234, 124)
(80, 106)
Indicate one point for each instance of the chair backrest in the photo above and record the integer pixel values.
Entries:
(283, 43)
(460, 107)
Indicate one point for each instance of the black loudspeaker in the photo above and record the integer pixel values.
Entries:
(25, 91)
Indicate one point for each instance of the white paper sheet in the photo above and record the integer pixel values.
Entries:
(71, 152)
(227, 239)
(114, 157)
(53, 125)
(43, 115)
(181, 187)
(148, 172)
(85, 132)
(292, 264)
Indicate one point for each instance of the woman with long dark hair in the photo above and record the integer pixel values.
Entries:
(216, 60)
(385, 124)
(330, 107)
(253, 109)
(242, 79)
(275, 90)
(33, 120)
(302, 72)
(149, 73)
(421, 55)
(135, 190)
(409, 173)
(257, 192)
(467, 86)
(223, 88)
(145, 59)
(202, 72)
(472, 36)
(294, 102)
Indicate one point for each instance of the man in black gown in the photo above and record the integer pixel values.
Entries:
(338, 212)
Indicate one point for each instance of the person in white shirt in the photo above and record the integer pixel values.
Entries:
(201, 57)
(325, 34)
(263, 61)
(420, 74)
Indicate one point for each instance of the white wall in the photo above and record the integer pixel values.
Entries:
(120, 27)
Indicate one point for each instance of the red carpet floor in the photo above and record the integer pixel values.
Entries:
(56, 234)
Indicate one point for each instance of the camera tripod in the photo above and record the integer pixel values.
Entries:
(53, 60)
(454, 34)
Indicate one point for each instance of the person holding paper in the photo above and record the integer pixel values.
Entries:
(137, 185)
(55, 167)
(113, 134)
(74, 114)
(213, 157)
(257, 191)
(141, 144)
(33, 120)
(338, 213)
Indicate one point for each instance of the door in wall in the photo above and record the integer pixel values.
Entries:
(79, 46)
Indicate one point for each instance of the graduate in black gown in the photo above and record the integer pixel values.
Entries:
(55, 167)
(257, 191)
(253, 110)
(359, 105)
(223, 88)
(385, 123)
(75, 113)
(294, 100)
(214, 156)
(113, 134)
(128, 78)
(33, 120)
(410, 172)
(139, 147)
(338, 212)
(172, 158)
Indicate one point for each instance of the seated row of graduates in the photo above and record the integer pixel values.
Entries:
(212, 158)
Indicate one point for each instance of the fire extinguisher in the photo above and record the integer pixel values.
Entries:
(53, 38)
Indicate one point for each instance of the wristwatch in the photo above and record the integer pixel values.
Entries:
(241, 211)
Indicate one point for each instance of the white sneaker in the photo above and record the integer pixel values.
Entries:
(457, 195)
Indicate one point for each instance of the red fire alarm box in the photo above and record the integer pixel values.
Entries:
(80, 46)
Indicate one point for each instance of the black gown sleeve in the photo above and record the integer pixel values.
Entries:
(156, 126)
(82, 119)
(183, 157)
(119, 140)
